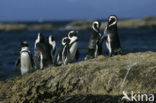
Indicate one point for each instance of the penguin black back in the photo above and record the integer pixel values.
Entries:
(111, 34)
(93, 46)
(43, 46)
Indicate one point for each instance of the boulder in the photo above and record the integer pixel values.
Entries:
(100, 80)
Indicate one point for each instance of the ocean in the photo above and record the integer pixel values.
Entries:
(132, 40)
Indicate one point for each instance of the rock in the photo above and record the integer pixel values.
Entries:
(127, 23)
(99, 80)
(41, 27)
(7, 27)
(79, 25)
(12, 27)
(137, 23)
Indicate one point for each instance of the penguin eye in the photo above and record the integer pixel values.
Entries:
(96, 26)
(64, 40)
(52, 38)
(113, 19)
(68, 40)
(71, 34)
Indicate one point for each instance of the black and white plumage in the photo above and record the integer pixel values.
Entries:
(37, 53)
(43, 52)
(111, 36)
(25, 59)
(94, 47)
(74, 52)
(52, 44)
(64, 53)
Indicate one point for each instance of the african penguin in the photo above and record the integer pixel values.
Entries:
(111, 36)
(37, 53)
(64, 53)
(44, 51)
(52, 44)
(74, 52)
(25, 59)
(94, 48)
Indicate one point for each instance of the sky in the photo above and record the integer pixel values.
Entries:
(47, 10)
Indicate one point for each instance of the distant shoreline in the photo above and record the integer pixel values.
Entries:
(147, 22)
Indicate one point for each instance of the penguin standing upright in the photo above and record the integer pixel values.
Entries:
(94, 47)
(44, 52)
(52, 44)
(64, 52)
(111, 37)
(37, 53)
(74, 52)
(25, 59)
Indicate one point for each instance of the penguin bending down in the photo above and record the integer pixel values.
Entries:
(74, 52)
(44, 52)
(25, 59)
(64, 53)
(52, 44)
(94, 47)
(111, 37)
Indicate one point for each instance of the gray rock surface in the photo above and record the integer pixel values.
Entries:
(100, 80)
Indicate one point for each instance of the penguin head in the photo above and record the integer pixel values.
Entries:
(65, 41)
(40, 37)
(112, 20)
(72, 33)
(24, 44)
(96, 25)
(51, 38)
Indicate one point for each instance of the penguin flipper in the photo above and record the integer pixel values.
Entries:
(104, 36)
(102, 39)
(16, 64)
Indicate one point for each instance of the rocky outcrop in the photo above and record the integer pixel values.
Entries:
(127, 23)
(79, 25)
(138, 23)
(20, 27)
(100, 80)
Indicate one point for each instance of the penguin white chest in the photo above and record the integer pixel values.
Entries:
(26, 65)
(73, 50)
(108, 43)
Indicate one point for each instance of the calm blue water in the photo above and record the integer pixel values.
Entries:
(132, 40)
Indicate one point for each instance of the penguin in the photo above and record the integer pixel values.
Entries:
(64, 52)
(37, 53)
(111, 36)
(25, 59)
(74, 52)
(52, 44)
(44, 52)
(94, 47)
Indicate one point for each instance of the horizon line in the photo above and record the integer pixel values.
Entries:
(68, 20)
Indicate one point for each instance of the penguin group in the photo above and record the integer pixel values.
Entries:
(45, 53)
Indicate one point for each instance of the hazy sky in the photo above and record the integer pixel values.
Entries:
(30, 10)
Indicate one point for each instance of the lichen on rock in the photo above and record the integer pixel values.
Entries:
(93, 81)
